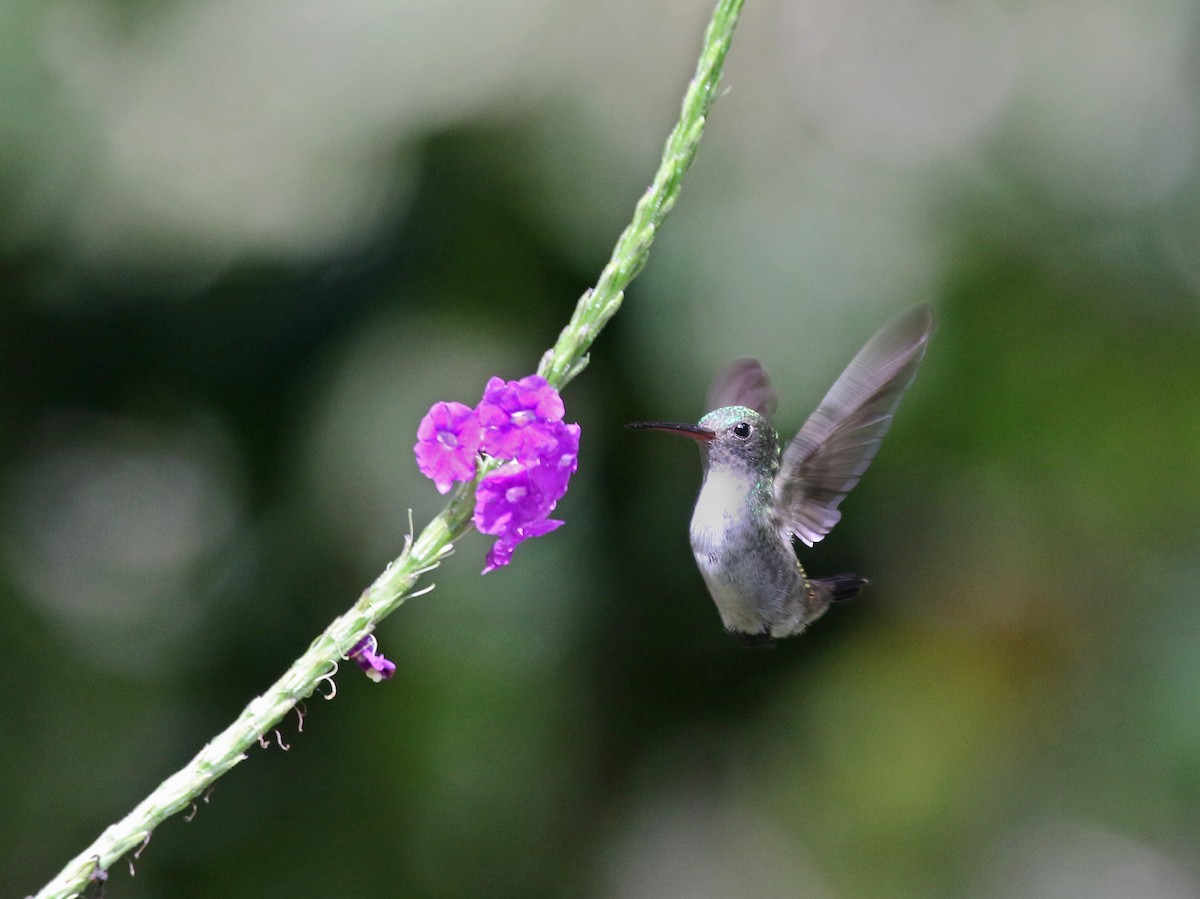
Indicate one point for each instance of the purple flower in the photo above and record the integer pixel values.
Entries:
(373, 664)
(508, 499)
(558, 460)
(519, 423)
(447, 440)
(517, 417)
(501, 552)
(514, 502)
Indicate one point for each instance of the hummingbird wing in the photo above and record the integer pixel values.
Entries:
(837, 443)
(743, 382)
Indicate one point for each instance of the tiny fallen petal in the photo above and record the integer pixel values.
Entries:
(372, 663)
(382, 670)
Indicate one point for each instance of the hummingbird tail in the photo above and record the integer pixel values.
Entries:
(837, 587)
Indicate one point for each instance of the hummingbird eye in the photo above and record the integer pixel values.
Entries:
(741, 430)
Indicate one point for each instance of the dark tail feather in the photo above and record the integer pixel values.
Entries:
(838, 587)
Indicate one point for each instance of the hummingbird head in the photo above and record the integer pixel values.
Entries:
(734, 437)
(743, 439)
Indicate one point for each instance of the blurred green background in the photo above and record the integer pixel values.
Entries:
(245, 245)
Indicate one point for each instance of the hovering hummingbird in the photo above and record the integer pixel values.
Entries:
(757, 496)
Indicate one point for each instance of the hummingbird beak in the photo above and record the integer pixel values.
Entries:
(704, 435)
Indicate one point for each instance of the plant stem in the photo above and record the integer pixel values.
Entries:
(559, 366)
(568, 356)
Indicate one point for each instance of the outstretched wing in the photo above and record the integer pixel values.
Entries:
(837, 443)
(743, 382)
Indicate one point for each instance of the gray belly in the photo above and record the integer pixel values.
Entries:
(755, 581)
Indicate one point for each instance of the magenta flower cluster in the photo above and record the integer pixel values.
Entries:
(520, 423)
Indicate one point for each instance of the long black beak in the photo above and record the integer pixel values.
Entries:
(671, 427)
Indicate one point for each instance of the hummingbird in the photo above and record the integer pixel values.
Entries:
(757, 496)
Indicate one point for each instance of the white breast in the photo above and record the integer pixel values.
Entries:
(719, 507)
(721, 501)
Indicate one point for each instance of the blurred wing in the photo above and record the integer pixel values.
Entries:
(837, 443)
(743, 382)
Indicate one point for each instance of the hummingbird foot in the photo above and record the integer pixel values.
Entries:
(761, 640)
(838, 587)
